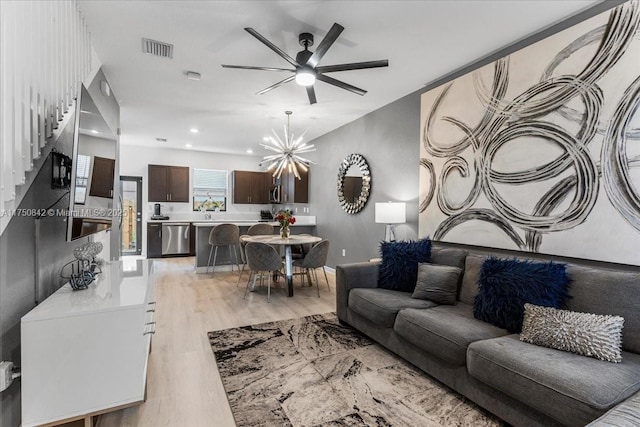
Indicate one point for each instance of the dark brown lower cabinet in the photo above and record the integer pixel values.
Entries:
(154, 240)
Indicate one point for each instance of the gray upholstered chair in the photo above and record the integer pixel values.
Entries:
(315, 258)
(299, 251)
(261, 229)
(223, 235)
(261, 258)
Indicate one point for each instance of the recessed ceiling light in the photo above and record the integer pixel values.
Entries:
(249, 150)
(266, 139)
(188, 145)
(94, 131)
(193, 130)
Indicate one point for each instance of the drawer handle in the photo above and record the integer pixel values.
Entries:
(152, 303)
(151, 310)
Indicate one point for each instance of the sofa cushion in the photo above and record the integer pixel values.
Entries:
(382, 305)
(449, 256)
(438, 283)
(469, 282)
(505, 285)
(444, 331)
(587, 334)
(399, 267)
(570, 388)
(601, 291)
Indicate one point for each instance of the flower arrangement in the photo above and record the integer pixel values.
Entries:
(285, 218)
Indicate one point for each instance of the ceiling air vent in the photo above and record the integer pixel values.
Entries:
(156, 48)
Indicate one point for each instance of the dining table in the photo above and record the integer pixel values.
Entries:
(288, 242)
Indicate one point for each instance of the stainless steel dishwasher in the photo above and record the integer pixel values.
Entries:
(175, 238)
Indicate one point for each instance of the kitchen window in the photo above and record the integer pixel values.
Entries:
(209, 190)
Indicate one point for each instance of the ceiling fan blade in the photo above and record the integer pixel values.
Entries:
(311, 93)
(353, 66)
(248, 67)
(325, 44)
(273, 47)
(341, 85)
(273, 86)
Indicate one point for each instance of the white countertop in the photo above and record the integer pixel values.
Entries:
(303, 220)
(245, 223)
(116, 287)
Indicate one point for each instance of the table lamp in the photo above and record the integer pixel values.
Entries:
(390, 213)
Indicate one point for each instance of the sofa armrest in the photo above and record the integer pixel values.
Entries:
(624, 414)
(350, 276)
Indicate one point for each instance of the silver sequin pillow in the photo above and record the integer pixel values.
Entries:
(587, 334)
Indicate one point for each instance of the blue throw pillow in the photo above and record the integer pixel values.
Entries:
(399, 267)
(506, 285)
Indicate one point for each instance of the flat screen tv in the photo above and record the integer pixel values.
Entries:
(92, 175)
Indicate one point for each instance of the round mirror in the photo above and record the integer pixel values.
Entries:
(354, 183)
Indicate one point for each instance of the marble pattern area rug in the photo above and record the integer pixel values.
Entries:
(313, 371)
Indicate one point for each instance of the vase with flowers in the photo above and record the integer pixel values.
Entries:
(286, 219)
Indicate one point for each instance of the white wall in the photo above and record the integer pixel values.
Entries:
(134, 161)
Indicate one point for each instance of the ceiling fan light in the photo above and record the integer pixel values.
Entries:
(305, 77)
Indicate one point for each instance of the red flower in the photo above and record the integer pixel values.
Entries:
(292, 220)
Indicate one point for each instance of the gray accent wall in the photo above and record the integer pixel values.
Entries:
(388, 140)
(20, 256)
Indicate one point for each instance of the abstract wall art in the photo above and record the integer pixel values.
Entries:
(539, 151)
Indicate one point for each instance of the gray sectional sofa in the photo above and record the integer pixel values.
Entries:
(521, 383)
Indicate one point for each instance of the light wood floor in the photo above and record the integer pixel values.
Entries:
(183, 384)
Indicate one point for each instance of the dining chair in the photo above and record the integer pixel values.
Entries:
(223, 235)
(261, 229)
(314, 259)
(299, 251)
(261, 258)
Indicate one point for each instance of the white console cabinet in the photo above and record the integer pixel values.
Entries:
(85, 352)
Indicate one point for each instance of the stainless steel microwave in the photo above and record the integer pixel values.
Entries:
(274, 194)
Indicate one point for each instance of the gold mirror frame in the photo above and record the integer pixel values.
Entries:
(359, 161)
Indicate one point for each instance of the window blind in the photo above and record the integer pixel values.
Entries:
(209, 182)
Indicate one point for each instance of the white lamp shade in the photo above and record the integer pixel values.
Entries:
(391, 213)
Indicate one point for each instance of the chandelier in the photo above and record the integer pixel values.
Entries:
(288, 152)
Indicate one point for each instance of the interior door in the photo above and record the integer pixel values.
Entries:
(131, 228)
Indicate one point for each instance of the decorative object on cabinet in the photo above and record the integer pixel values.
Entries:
(168, 183)
(390, 213)
(85, 267)
(306, 69)
(355, 163)
(288, 152)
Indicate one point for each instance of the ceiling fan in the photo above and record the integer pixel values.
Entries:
(306, 69)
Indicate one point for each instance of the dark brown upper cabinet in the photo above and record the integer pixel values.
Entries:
(168, 183)
(294, 190)
(251, 187)
(102, 177)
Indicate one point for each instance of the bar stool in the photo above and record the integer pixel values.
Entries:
(224, 235)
